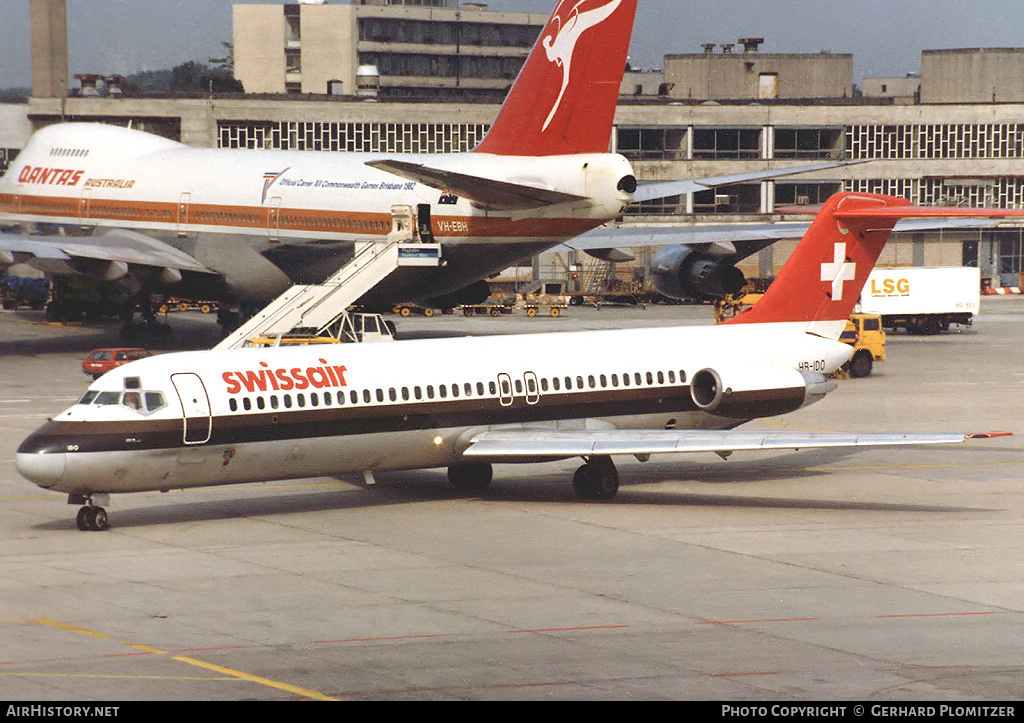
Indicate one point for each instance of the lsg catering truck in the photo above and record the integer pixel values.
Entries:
(923, 299)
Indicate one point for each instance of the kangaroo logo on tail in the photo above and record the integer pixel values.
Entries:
(563, 101)
(562, 44)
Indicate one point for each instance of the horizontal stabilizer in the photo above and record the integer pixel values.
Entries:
(664, 189)
(824, 275)
(529, 443)
(484, 192)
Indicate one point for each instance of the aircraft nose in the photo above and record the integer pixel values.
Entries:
(44, 468)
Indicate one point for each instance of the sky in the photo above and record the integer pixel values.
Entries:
(886, 37)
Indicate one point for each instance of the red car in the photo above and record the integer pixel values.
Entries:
(101, 361)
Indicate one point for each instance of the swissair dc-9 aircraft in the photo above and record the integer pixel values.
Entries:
(194, 419)
(243, 225)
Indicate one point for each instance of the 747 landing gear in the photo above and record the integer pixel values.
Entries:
(597, 479)
(91, 517)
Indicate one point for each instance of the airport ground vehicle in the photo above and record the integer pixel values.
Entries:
(549, 295)
(100, 361)
(923, 299)
(176, 304)
(864, 333)
(23, 291)
(495, 305)
(267, 341)
(410, 309)
(78, 297)
(365, 327)
(352, 327)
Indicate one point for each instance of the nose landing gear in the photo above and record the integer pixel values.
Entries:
(92, 517)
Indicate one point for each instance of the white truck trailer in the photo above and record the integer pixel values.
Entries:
(923, 299)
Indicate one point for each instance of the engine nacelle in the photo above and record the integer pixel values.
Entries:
(680, 272)
(753, 392)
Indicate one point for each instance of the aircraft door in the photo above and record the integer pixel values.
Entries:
(426, 232)
(532, 388)
(83, 203)
(195, 406)
(183, 202)
(274, 220)
(505, 389)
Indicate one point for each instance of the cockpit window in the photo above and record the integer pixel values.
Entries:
(139, 401)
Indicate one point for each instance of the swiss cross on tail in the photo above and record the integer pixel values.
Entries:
(838, 271)
(822, 280)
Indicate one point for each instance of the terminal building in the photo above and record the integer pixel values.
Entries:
(952, 135)
(386, 50)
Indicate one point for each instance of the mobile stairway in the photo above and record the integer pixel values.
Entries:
(312, 309)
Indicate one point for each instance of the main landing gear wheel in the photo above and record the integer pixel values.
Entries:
(597, 479)
(92, 519)
(470, 477)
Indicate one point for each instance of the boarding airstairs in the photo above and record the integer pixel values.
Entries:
(312, 309)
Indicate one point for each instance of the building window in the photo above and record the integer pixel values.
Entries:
(350, 137)
(652, 143)
(726, 143)
(808, 143)
(804, 194)
(292, 61)
(729, 199)
(945, 141)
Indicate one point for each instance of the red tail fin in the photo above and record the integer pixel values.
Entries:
(564, 99)
(822, 280)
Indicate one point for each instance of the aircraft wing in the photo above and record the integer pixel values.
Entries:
(736, 241)
(106, 255)
(662, 189)
(502, 195)
(530, 443)
(485, 192)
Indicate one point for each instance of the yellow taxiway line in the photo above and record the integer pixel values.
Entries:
(230, 673)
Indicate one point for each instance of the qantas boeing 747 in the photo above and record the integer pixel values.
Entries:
(204, 418)
(153, 215)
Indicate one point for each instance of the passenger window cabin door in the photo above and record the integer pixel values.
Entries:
(531, 387)
(505, 389)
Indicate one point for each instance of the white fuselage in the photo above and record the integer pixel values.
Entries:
(263, 220)
(209, 418)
